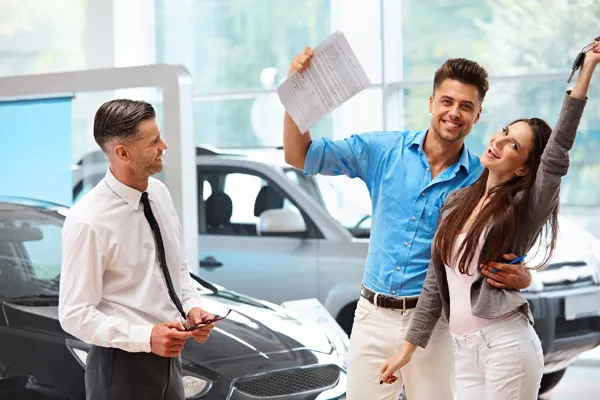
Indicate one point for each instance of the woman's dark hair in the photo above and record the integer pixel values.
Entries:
(120, 119)
(508, 203)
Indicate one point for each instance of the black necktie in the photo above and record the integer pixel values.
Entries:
(161, 253)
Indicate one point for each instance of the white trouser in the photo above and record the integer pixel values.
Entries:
(503, 361)
(377, 334)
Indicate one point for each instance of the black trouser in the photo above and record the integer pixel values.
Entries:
(114, 374)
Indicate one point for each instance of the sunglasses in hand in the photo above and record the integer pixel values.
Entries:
(206, 322)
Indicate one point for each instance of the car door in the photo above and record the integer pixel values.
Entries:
(275, 268)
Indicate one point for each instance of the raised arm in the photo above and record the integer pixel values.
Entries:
(555, 159)
(348, 157)
(295, 143)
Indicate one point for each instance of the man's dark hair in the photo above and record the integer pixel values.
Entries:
(464, 71)
(120, 119)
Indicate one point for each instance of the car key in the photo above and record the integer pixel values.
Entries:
(580, 57)
(576, 65)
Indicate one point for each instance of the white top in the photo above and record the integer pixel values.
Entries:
(462, 320)
(112, 290)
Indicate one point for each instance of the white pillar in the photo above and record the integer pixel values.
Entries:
(118, 34)
(360, 22)
(393, 68)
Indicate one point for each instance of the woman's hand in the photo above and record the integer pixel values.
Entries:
(584, 77)
(592, 57)
(388, 368)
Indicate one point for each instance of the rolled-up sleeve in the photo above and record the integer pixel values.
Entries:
(81, 291)
(350, 156)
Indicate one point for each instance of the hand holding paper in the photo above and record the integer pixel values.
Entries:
(321, 80)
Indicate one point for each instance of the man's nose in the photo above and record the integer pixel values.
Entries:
(455, 113)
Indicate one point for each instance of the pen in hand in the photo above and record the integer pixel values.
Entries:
(515, 261)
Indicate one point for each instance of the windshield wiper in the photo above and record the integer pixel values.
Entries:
(39, 299)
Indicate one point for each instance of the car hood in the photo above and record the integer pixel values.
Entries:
(253, 327)
(256, 330)
(573, 244)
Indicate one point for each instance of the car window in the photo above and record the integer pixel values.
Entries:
(347, 200)
(30, 253)
(247, 194)
(45, 255)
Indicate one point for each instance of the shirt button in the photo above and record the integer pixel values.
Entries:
(414, 218)
(393, 292)
(427, 168)
(406, 243)
(423, 194)
(397, 268)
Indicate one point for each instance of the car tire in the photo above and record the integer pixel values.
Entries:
(345, 317)
(549, 381)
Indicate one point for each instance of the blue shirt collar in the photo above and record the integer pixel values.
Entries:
(419, 139)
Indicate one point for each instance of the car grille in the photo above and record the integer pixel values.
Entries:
(289, 382)
(568, 275)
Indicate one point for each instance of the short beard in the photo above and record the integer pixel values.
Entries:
(145, 171)
(438, 133)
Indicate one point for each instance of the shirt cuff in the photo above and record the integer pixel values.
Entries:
(139, 338)
(191, 303)
(313, 157)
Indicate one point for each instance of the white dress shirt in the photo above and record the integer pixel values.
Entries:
(112, 290)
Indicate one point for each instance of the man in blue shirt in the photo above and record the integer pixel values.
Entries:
(408, 174)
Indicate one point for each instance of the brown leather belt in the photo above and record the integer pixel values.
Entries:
(385, 301)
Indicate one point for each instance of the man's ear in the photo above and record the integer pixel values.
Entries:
(430, 106)
(121, 152)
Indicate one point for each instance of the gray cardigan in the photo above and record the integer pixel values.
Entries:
(486, 300)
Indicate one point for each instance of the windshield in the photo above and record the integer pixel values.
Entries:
(30, 255)
(347, 200)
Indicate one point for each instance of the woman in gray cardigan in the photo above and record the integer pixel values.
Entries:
(497, 352)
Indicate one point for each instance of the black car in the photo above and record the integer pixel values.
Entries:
(260, 351)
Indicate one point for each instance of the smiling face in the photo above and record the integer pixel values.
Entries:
(147, 151)
(455, 107)
(508, 151)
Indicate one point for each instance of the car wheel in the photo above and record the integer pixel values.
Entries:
(549, 381)
(346, 317)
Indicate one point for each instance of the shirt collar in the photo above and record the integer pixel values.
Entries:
(464, 160)
(130, 195)
(419, 139)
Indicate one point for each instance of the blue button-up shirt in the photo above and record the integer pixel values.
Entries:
(406, 201)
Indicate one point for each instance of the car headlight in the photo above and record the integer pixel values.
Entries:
(339, 344)
(594, 261)
(195, 386)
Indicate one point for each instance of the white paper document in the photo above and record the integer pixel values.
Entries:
(334, 76)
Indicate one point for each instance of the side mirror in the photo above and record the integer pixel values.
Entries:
(280, 222)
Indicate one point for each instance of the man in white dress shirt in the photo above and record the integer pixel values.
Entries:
(125, 284)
